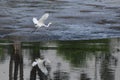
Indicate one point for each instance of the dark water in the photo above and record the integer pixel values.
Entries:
(70, 60)
(88, 21)
(71, 20)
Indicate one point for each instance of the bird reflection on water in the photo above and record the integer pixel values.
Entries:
(58, 74)
(35, 69)
(42, 67)
(16, 67)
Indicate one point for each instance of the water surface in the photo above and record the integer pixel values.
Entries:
(87, 56)
(70, 60)
(72, 20)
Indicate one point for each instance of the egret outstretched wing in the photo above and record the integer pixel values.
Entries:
(44, 17)
(39, 23)
(35, 21)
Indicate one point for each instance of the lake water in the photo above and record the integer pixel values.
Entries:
(82, 43)
(70, 60)
(71, 20)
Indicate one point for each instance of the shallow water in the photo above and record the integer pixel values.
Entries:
(89, 58)
(71, 20)
(70, 60)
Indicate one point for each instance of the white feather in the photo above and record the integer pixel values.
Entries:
(44, 17)
(35, 21)
(42, 67)
(39, 23)
(34, 63)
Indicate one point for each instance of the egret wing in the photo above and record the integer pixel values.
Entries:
(44, 17)
(35, 21)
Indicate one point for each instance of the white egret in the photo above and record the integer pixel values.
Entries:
(39, 23)
(42, 64)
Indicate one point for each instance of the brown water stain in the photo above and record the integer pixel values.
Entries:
(115, 27)
(104, 21)
(69, 17)
(86, 11)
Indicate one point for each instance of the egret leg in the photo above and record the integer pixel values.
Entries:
(34, 30)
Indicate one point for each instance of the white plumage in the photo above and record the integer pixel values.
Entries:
(42, 64)
(39, 23)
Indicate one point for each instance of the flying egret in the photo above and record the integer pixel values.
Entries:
(39, 23)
